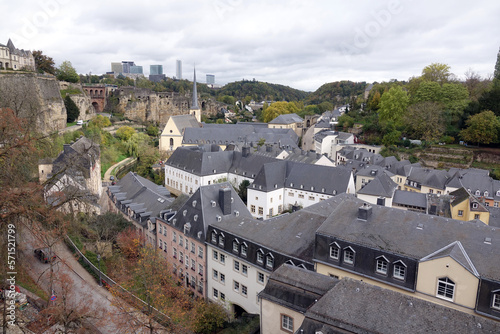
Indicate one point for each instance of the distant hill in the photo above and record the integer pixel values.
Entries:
(262, 91)
(336, 92)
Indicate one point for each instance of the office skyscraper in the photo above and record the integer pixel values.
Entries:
(210, 79)
(178, 69)
(155, 69)
(135, 69)
(127, 65)
(117, 68)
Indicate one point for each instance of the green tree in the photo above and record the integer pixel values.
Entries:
(146, 158)
(242, 190)
(437, 72)
(278, 108)
(125, 133)
(375, 101)
(100, 121)
(137, 143)
(481, 128)
(72, 110)
(496, 74)
(209, 317)
(66, 72)
(391, 138)
(393, 105)
(152, 131)
(424, 120)
(44, 63)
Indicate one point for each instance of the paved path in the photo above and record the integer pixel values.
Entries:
(110, 169)
(85, 291)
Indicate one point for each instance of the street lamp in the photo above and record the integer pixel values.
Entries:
(99, 263)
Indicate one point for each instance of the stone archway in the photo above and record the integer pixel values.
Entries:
(96, 106)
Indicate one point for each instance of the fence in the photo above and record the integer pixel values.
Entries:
(160, 317)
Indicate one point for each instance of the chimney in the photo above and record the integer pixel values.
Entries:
(245, 151)
(225, 200)
(269, 148)
(364, 211)
(66, 147)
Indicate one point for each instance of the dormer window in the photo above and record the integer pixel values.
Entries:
(334, 251)
(244, 249)
(349, 255)
(174, 221)
(236, 246)
(194, 203)
(382, 264)
(301, 186)
(184, 213)
(498, 192)
(486, 194)
(195, 218)
(260, 256)
(221, 240)
(270, 261)
(474, 205)
(214, 237)
(478, 193)
(312, 188)
(187, 228)
(213, 203)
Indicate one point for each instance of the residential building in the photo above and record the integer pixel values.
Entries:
(352, 306)
(141, 202)
(289, 293)
(243, 252)
(75, 175)
(14, 58)
(379, 190)
(439, 259)
(178, 69)
(182, 235)
(286, 185)
(288, 121)
(327, 142)
(465, 206)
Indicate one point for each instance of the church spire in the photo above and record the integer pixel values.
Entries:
(195, 93)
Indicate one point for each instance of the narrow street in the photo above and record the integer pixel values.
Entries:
(84, 291)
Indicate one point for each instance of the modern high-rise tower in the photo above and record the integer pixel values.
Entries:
(178, 69)
(210, 79)
(155, 69)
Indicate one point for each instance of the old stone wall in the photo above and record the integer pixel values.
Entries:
(87, 110)
(146, 105)
(35, 97)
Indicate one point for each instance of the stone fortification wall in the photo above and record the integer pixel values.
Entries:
(146, 105)
(35, 97)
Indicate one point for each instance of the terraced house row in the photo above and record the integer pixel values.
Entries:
(217, 249)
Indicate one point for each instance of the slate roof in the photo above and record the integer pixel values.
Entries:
(77, 159)
(225, 134)
(201, 160)
(381, 185)
(396, 231)
(461, 194)
(301, 176)
(474, 180)
(141, 195)
(205, 205)
(183, 122)
(250, 165)
(287, 119)
(373, 171)
(433, 178)
(411, 198)
(358, 307)
(296, 288)
(291, 234)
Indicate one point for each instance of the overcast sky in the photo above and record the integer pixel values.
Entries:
(302, 44)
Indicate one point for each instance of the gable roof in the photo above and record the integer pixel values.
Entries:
(410, 198)
(141, 195)
(355, 307)
(203, 208)
(287, 234)
(183, 122)
(382, 185)
(296, 288)
(456, 251)
(201, 160)
(287, 119)
(413, 234)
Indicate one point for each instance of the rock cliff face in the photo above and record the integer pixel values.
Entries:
(35, 97)
(87, 110)
(146, 105)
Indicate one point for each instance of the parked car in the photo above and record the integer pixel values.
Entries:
(80, 122)
(44, 255)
